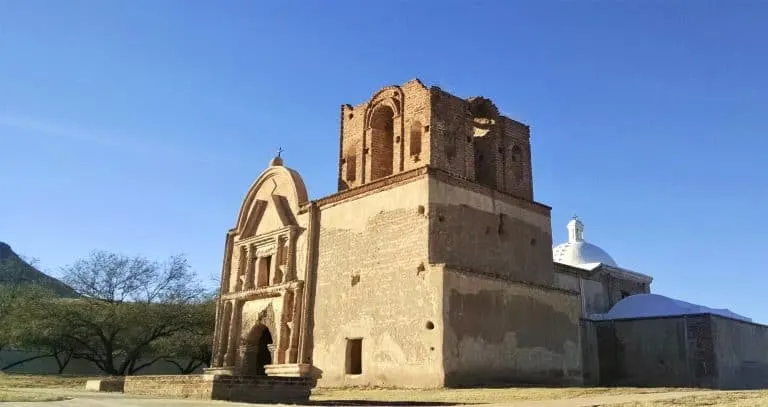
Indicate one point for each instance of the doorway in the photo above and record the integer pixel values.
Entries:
(257, 354)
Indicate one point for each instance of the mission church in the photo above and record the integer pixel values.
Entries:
(432, 266)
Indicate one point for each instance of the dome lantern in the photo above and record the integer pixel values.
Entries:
(575, 230)
(576, 251)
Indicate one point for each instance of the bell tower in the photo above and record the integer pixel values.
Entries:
(401, 128)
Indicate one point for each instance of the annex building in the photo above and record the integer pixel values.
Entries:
(431, 266)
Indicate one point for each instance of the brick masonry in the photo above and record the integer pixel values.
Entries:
(410, 126)
(262, 389)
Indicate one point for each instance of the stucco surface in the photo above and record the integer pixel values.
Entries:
(498, 331)
(374, 283)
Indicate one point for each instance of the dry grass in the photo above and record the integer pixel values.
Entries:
(476, 395)
(724, 399)
(10, 395)
(9, 382)
(19, 381)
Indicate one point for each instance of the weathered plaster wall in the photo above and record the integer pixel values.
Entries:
(567, 281)
(498, 331)
(483, 230)
(741, 349)
(616, 288)
(668, 351)
(595, 298)
(374, 283)
(590, 362)
(643, 352)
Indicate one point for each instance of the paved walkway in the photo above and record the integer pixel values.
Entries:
(94, 399)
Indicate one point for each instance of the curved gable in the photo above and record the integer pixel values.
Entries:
(272, 202)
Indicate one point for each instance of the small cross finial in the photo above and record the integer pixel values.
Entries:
(279, 151)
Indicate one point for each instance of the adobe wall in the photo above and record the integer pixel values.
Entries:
(615, 286)
(374, 282)
(590, 360)
(595, 298)
(475, 227)
(642, 352)
(499, 331)
(650, 352)
(567, 281)
(740, 349)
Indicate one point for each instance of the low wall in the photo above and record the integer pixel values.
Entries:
(254, 389)
(701, 350)
(76, 367)
(741, 349)
(643, 352)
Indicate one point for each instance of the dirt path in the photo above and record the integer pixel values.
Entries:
(594, 401)
(90, 399)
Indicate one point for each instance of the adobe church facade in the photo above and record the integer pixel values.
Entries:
(431, 266)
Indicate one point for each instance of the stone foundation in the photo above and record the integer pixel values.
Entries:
(253, 389)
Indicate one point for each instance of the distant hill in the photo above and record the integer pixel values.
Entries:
(14, 270)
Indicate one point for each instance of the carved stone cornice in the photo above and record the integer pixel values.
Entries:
(269, 237)
(264, 292)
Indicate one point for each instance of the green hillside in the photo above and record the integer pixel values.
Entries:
(14, 270)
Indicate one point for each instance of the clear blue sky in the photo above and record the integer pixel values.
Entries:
(137, 126)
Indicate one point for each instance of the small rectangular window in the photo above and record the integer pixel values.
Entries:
(351, 168)
(354, 356)
(268, 262)
(265, 266)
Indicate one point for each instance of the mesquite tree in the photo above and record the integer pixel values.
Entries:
(129, 304)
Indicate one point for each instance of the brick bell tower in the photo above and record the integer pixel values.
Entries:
(401, 128)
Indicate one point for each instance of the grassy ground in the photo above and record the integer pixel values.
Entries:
(476, 395)
(10, 382)
(10, 395)
(724, 399)
(18, 381)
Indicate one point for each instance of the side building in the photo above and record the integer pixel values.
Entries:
(631, 337)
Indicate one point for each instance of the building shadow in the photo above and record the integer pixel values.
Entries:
(379, 403)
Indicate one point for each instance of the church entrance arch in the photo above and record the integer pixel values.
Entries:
(257, 352)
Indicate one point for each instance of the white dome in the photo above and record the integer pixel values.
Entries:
(577, 252)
